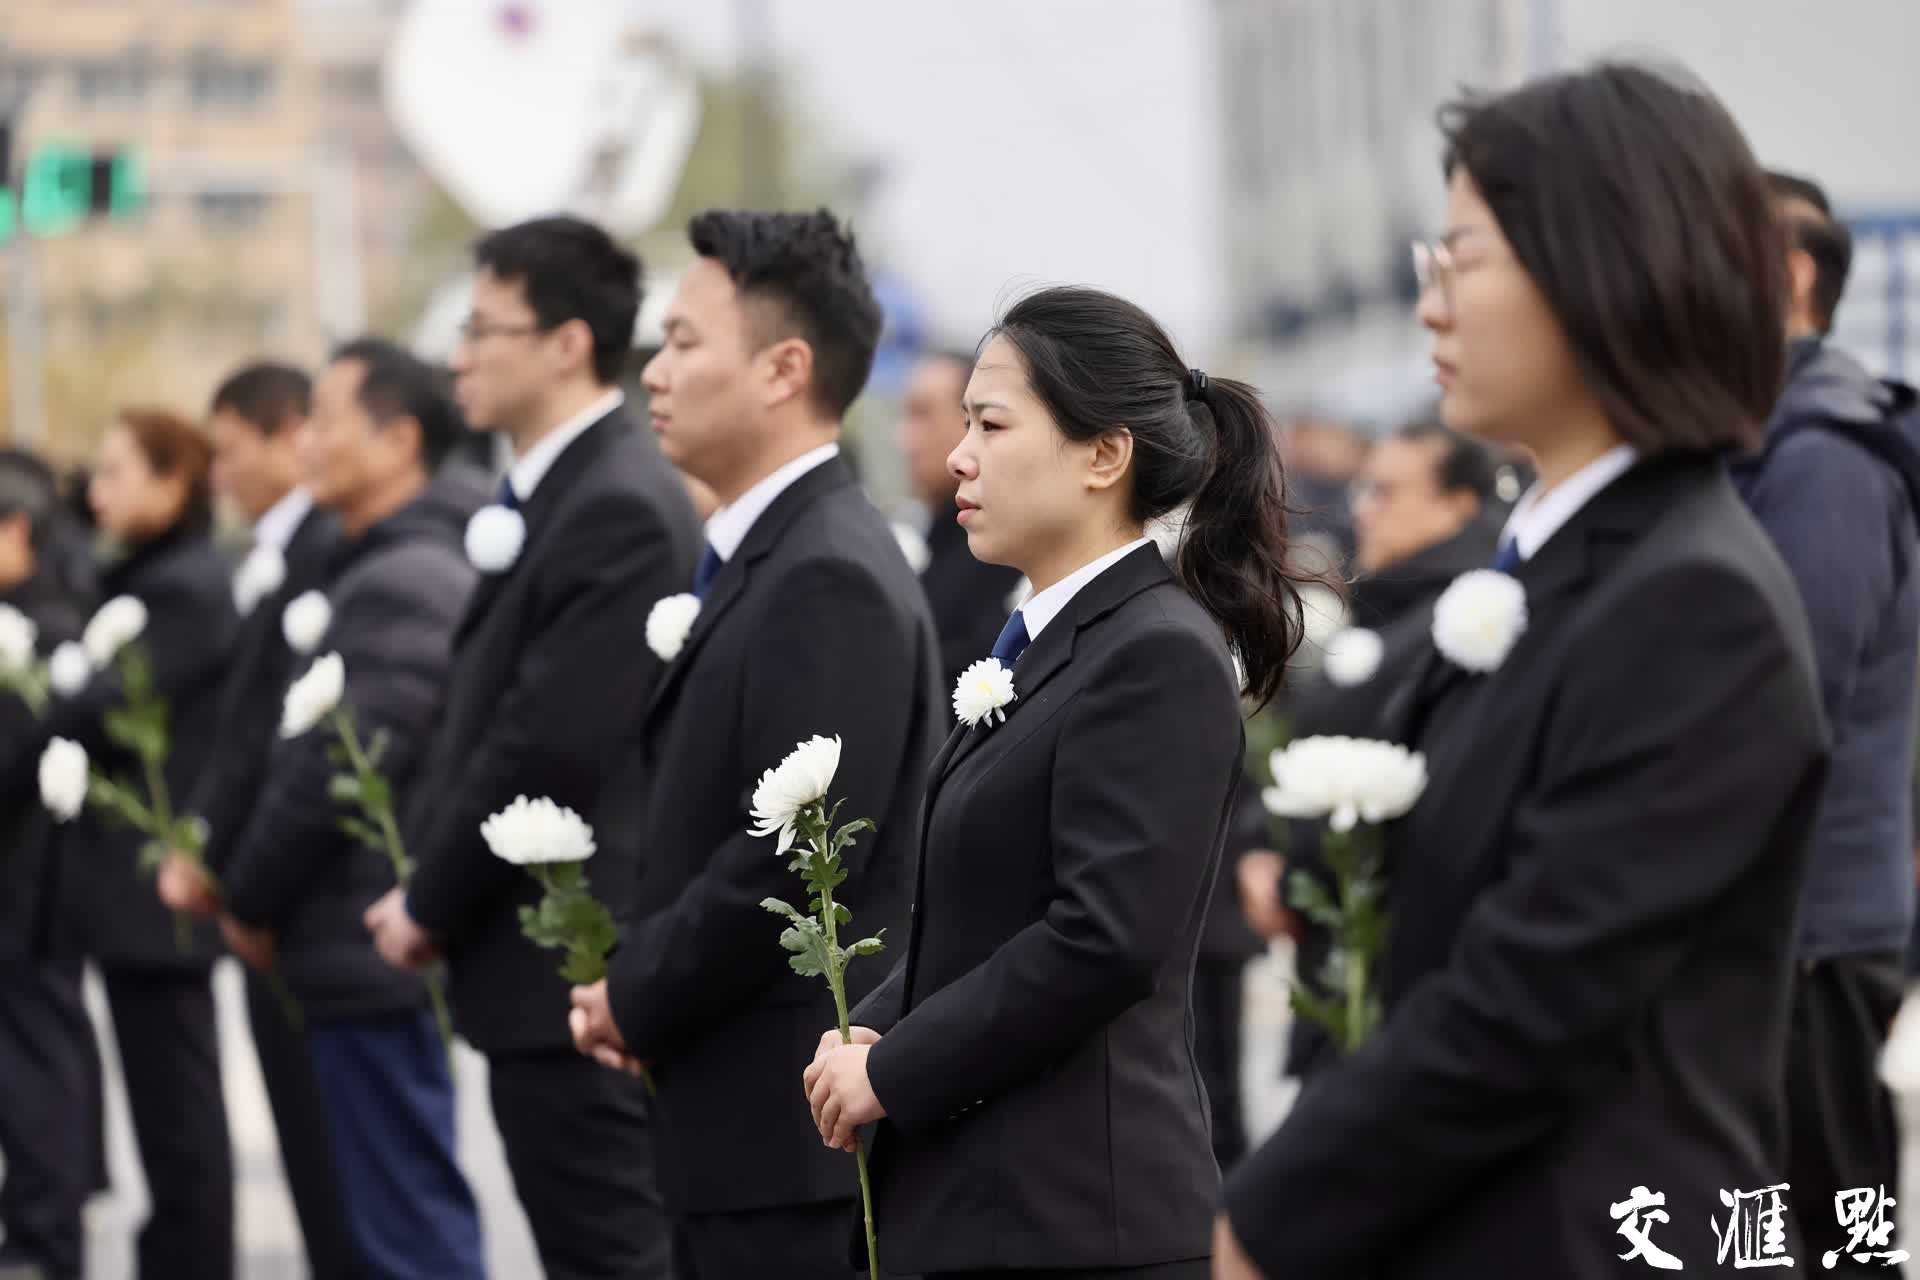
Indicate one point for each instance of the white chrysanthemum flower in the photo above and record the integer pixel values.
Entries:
(982, 693)
(69, 669)
(18, 633)
(670, 622)
(495, 536)
(262, 573)
(800, 780)
(913, 546)
(313, 696)
(305, 620)
(1478, 619)
(117, 625)
(1352, 657)
(63, 779)
(537, 831)
(1345, 780)
(1325, 616)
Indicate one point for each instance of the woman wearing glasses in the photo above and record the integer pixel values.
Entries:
(1586, 977)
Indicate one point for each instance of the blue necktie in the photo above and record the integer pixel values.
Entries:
(507, 497)
(703, 572)
(1508, 557)
(1013, 640)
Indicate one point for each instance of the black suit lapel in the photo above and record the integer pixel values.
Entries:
(731, 581)
(1554, 575)
(575, 461)
(1053, 650)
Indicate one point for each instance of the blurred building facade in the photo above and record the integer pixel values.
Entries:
(1333, 167)
(1333, 157)
(276, 191)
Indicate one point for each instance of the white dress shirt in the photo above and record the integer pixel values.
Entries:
(728, 527)
(528, 472)
(1539, 515)
(1044, 606)
(276, 528)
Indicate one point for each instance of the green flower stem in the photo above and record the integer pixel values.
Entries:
(396, 852)
(162, 806)
(837, 983)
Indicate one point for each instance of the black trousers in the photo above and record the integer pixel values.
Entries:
(1216, 1048)
(299, 1119)
(170, 1052)
(48, 1117)
(581, 1155)
(793, 1242)
(1841, 1132)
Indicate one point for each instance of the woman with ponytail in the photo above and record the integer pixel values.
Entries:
(1029, 1059)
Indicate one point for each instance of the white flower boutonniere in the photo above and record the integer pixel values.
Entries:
(495, 536)
(1479, 618)
(18, 633)
(69, 669)
(118, 624)
(1352, 657)
(670, 623)
(982, 693)
(64, 778)
(262, 573)
(305, 622)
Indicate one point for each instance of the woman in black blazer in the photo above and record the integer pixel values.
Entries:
(150, 494)
(1586, 979)
(1030, 1056)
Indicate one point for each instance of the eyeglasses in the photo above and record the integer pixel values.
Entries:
(1433, 268)
(474, 329)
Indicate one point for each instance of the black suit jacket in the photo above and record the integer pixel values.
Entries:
(1588, 974)
(107, 907)
(551, 672)
(257, 677)
(1043, 1104)
(397, 593)
(30, 857)
(814, 626)
(968, 597)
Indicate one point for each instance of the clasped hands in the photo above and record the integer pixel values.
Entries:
(837, 1087)
(184, 886)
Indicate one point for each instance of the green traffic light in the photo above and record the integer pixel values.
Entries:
(55, 189)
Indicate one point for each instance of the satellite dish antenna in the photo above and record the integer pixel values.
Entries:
(520, 108)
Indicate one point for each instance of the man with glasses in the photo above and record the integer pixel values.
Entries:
(551, 673)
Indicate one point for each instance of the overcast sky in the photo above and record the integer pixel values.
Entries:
(1024, 141)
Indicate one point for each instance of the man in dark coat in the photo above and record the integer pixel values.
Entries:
(1424, 512)
(551, 675)
(298, 884)
(810, 623)
(255, 422)
(1837, 487)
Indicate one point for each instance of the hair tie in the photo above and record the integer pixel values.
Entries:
(1196, 385)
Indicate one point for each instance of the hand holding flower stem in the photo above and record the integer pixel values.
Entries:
(791, 802)
(364, 788)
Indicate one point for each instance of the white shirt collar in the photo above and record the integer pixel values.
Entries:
(276, 528)
(528, 472)
(728, 527)
(1044, 606)
(1538, 516)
